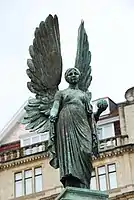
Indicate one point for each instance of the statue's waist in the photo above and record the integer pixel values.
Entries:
(73, 106)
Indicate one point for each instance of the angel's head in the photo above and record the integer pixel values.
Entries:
(72, 75)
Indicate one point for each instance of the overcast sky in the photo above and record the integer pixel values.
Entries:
(110, 28)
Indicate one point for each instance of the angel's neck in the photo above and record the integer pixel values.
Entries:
(72, 86)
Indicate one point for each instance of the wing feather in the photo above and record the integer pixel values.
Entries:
(45, 67)
(83, 58)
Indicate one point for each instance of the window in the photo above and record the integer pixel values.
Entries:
(104, 178)
(26, 142)
(106, 131)
(18, 184)
(112, 176)
(93, 181)
(34, 143)
(28, 182)
(36, 138)
(44, 136)
(38, 180)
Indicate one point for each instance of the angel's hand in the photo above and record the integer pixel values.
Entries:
(54, 111)
(52, 118)
(102, 105)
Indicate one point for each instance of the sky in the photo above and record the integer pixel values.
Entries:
(110, 28)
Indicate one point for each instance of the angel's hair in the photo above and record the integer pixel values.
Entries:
(68, 70)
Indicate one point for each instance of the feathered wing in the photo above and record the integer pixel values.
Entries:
(83, 58)
(44, 70)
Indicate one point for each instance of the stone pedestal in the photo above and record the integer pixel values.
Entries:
(71, 193)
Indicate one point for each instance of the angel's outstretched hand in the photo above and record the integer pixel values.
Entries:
(102, 105)
(52, 118)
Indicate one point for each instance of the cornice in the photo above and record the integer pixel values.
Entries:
(117, 151)
(24, 160)
(123, 196)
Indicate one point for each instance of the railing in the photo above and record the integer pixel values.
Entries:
(113, 142)
(23, 151)
(37, 148)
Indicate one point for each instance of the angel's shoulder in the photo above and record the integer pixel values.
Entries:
(88, 94)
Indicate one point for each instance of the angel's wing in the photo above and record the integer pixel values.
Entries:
(83, 58)
(45, 67)
(45, 70)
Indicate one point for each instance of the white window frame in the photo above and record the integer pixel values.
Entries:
(107, 176)
(31, 136)
(103, 131)
(93, 177)
(15, 183)
(33, 180)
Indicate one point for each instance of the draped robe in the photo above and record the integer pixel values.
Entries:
(71, 137)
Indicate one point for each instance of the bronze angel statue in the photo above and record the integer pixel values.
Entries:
(67, 114)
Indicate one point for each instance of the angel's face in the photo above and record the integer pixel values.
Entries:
(72, 76)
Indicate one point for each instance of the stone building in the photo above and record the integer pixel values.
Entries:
(25, 173)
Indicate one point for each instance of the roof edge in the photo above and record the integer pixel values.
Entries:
(16, 117)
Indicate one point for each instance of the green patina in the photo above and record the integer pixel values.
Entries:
(66, 114)
(81, 194)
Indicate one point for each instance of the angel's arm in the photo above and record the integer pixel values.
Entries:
(55, 108)
(97, 114)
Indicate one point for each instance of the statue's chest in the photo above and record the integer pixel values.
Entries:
(73, 95)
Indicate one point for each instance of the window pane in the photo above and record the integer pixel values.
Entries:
(112, 180)
(18, 176)
(18, 189)
(28, 181)
(93, 183)
(101, 170)
(28, 173)
(35, 139)
(111, 168)
(108, 131)
(26, 142)
(28, 186)
(38, 171)
(45, 136)
(102, 180)
(38, 183)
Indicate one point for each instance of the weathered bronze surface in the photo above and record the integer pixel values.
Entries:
(66, 114)
(72, 193)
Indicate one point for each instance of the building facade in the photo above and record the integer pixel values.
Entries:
(25, 172)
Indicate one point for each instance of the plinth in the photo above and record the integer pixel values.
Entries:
(72, 193)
